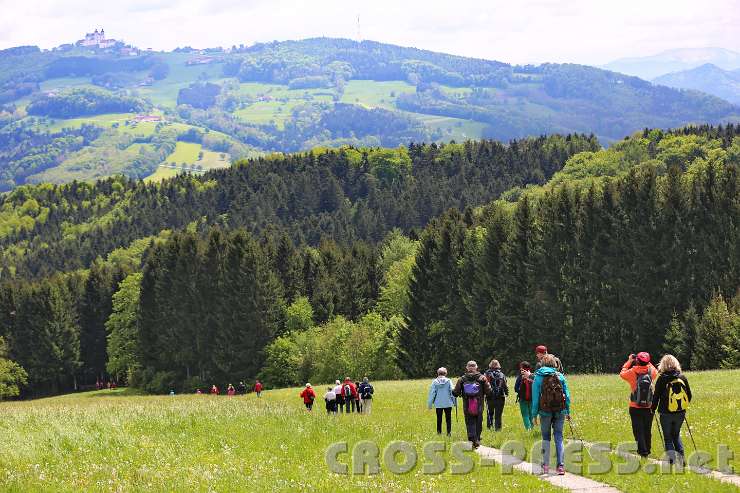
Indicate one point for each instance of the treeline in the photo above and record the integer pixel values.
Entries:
(346, 195)
(84, 102)
(593, 266)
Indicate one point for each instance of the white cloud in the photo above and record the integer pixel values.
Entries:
(517, 31)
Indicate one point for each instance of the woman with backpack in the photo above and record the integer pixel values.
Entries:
(309, 396)
(441, 399)
(473, 387)
(640, 374)
(671, 399)
(523, 389)
(499, 390)
(551, 402)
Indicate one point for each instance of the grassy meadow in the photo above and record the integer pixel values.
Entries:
(121, 441)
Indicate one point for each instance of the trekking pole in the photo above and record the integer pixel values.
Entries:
(689, 428)
(573, 431)
(660, 430)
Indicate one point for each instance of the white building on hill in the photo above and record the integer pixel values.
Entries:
(97, 38)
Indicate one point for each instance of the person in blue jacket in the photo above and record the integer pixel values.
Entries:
(441, 398)
(551, 402)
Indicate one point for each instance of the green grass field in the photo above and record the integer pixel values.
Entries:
(120, 441)
(188, 153)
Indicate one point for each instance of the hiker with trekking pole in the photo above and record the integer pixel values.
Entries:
(441, 399)
(640, 374)
(551, 402)
(671, 399)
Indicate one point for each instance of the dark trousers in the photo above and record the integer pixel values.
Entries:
(447, 411)
(495, 411)
(671, 424)
(358, 404)
(349, 404)
(340, 403)
(642, 424)
(474, 425)
(309, 405)
(331, 407)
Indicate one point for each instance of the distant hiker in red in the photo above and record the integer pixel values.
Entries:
(231, 391)
(308, 396)
(349, 392)
(214, 390)
(258, 388)
(641, 375)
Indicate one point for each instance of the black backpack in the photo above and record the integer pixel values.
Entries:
(496, 379)
(643, 394)
(367, 391)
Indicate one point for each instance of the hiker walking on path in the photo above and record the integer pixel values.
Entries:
(551, 401)
(230, 391)
(366, 394)
(331, 401)
(441, 399)
(258, 388)
(523, 389)
(338, 388)
(214, 390)
(497, 400)
(349, 392)
(671, 399)
(308, 396)
(540, 352)
(640, 374)
(241, 388)
(473, 386)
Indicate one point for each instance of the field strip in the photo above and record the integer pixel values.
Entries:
(719, 476)
(568, 481)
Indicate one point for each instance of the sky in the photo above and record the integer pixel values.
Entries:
(515, 31)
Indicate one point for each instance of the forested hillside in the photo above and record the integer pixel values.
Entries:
(297, 95)
(288, 267)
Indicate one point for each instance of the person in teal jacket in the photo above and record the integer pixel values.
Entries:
(441, 398)
(552, 414)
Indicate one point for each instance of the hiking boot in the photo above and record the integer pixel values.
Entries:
(476, 444)
(545, 469)
(561, 470)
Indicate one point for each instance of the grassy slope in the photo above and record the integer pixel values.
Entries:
(115, 440)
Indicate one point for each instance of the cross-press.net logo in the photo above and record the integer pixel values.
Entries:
(400, 457)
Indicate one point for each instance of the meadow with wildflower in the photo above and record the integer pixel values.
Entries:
(121, 441)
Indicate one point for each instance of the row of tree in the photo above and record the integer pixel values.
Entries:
(593, 268)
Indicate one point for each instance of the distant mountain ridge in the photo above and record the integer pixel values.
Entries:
(676, 60)
(199, 108)
(707, 78)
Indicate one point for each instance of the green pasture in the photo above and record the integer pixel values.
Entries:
(121, 441)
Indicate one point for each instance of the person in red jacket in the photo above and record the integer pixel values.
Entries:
(214, 390)
(258, 388)
(308, 396)
(640, 374)
(349, 392)
(231, 391)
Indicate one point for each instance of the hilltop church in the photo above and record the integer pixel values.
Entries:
(97, 38)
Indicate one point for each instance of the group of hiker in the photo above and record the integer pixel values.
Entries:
(240, 389)
(344, 397)
(544, 396)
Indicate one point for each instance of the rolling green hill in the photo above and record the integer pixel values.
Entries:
(295, 95)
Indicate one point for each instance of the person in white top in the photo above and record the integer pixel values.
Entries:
(331, 401)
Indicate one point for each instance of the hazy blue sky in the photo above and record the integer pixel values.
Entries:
(517, 31)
